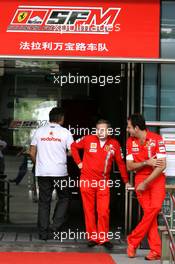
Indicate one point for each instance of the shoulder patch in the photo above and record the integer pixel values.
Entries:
(160, 142)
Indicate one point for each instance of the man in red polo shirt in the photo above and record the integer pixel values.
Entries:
(146, 156)
(99, 152)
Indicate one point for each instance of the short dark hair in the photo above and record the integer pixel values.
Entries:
(137, 120)
(103, 121)
(56, 114)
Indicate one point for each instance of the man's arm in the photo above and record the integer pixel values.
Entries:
(159, 166)
(33, 147)
(70, 140)
(32, 153)
(75, 147)
(156, 172)
(121, 164)
(134, 166)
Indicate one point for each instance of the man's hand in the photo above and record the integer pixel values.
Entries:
(69, 154)
(128, 185)
(154, 162)
(80, 165)
(141, 187)
(160, 163)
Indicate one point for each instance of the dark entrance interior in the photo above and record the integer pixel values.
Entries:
(30, 89)
(99, 101)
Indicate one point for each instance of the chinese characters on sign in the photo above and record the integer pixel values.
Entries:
(25, 45)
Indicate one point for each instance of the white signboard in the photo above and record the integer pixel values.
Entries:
(168, 135)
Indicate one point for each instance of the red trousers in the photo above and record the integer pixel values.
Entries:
(151, 202)
(96, 210)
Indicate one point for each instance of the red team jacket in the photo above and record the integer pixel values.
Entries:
(154, 146)
(97, 160)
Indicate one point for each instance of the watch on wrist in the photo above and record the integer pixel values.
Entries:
(144, 163)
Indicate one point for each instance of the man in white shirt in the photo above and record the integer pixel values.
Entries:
(48, 151)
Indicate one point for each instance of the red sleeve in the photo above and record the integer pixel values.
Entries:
(160, 148)
(129, 155)
(121, 164)
(75, 146)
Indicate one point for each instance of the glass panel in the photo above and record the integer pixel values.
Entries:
(28, 109)
(150, 91)
(26, 96)
(167, 109)
(168, 29)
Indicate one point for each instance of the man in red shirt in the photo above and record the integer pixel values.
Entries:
(146, 156)
(99, 152)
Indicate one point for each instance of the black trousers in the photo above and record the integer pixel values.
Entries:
(46, 187)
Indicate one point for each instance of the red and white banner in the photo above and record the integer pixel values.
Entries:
(123, 28)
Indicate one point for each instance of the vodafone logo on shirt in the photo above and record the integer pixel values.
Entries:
(50, 138)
